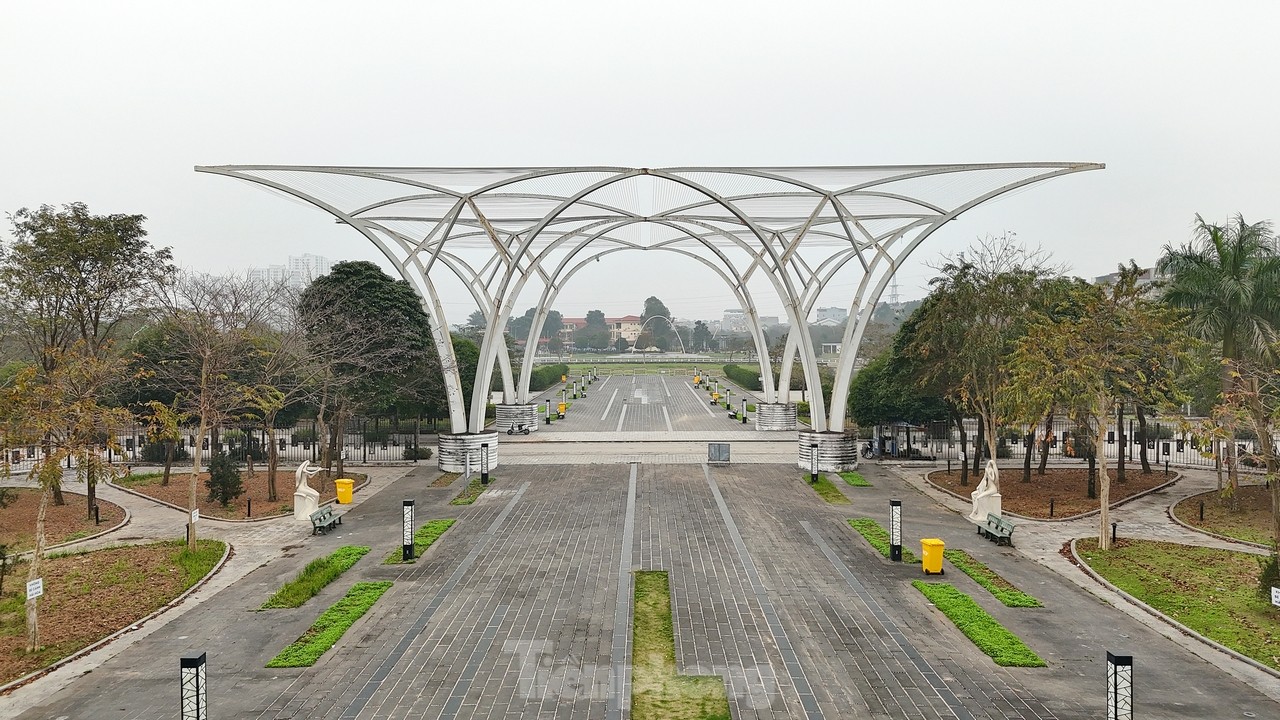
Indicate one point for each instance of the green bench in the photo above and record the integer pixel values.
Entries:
(997, 529)
(324, 520)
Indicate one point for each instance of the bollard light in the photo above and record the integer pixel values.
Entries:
(744, 411)
(1119, 687)
(407, 554)
(192, 681)
(1113, 532)
(895, 530)
(1050, 507)
(548, 411)
(813, 463)
(484, 463)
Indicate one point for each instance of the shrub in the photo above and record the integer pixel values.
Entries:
(802, 408)
(545, 376)
(418, 453)
(305, 435)
(1269, 575)
(224, 479)
(742, 377)
(154, 452)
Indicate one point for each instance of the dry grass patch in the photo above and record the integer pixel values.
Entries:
(63, 523)
(658, 692)
(1245, 517)
(1067, 487)
(177, 492)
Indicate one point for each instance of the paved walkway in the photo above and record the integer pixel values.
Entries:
(1146, 518)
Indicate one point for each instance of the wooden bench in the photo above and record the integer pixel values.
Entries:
(324, 520)
(997, 529)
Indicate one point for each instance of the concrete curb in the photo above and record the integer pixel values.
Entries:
(1084, 567)
(10, 687)
(266, 518)
(1225, 538)
(1069, 518)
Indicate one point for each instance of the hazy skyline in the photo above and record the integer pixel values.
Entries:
(113, 104)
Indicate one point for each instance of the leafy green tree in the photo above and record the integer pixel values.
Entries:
(701, 336)
(662, 335)
(477, 320)
(1228, 279)
(1099, 351)
(595, 334)
(224, 483)
(387, 358)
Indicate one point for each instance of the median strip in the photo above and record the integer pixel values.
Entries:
(657, 691)
(422, 539)
(828, 491)
(329, 628)
(988, 635)
(878, 538)
(314, 577)
(1002, 589)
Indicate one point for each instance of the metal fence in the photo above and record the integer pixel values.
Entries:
(361, 441)
(1164, 442)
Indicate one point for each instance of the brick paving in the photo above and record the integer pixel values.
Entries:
(522, 610)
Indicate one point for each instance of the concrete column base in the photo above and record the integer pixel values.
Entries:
(775, 416)
(452, 451)
(512, 416)
(836, 450)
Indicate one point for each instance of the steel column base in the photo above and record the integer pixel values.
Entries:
(836, 450)
(776, 416)
(512, 416)
(453, 450)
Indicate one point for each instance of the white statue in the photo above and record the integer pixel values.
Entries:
(986, 499)
(306, 499)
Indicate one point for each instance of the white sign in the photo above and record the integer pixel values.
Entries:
(35, 588)
(1275, 596)
(195, 515)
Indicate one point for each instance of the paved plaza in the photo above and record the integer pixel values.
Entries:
(522, 610)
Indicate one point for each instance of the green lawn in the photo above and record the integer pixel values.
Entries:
(990, 636)
(315, 576)
(827, 491)
(328, 629)
(471, 491)
(855, 479)
(422, 539)
(1002, 589)
(1214, 592)
(658, 692)
(878, 538)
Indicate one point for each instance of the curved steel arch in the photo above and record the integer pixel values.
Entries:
(798, 247)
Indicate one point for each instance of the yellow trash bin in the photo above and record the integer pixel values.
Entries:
(697, 379)
(345, 488)
(931, 554)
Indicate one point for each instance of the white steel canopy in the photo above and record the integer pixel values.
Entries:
(498, 228)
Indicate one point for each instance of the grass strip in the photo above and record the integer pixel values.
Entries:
(990, 636)
(657, 691)
(1211, 591)
(328, 629)
(878, 538)
(1002, 589)
(855, 479)
(446, 479)
(827, 491)
(470, 492)
(422, 539)
(312, 578)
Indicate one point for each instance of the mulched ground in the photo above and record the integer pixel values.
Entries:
(178, 492)
(62, 522)
(87, 597)
(1068, 487)
(1246, 517)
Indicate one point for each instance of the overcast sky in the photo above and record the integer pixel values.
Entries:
(113, 103)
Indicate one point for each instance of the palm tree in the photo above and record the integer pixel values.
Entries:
(1228, 279)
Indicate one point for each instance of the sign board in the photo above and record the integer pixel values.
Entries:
(718, 452)
(195, 515)
(1275, 596)
(35, 588)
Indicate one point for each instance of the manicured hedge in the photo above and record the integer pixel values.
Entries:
(743, 377)
(544, 376)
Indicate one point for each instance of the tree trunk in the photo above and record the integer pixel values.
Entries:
(196, 448)
(978, 448)
(1104, 517)
(1044, 444)
(1228, 388)
(1142, 446)
(1120, 442)
(47, 448)
(33, 572)
(168, 461)
(273, 459)
(964, 440)
(91, 490)
(1028, 447)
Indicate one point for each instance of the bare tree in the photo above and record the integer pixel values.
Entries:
(208, 321)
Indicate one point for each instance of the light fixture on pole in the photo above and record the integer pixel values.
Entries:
(1119, 687)
(813, 463)
(895, 530)
(192, 681)
(484, 463)
(407, 553)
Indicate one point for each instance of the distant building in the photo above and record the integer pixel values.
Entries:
(735, 320)
(299, 272)
(768, 320)
(627, 327)
(834, 314)
(1148, 276)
